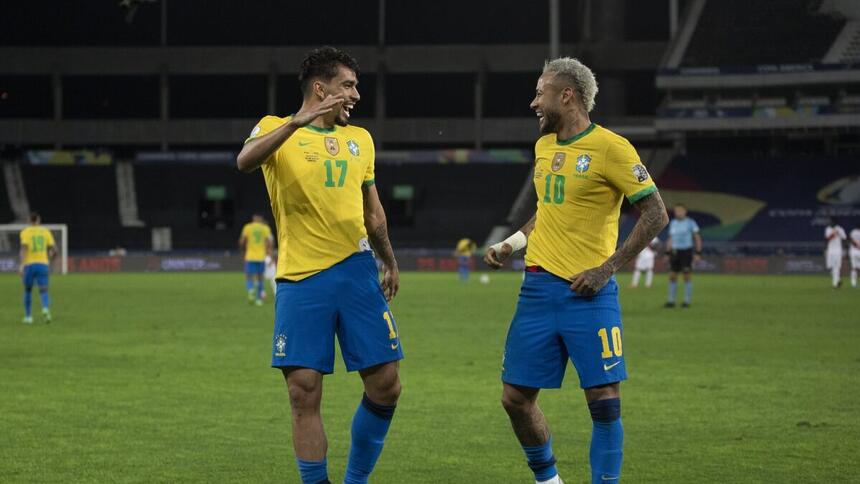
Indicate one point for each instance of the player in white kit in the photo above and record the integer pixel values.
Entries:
(270, 271)
(834, 234)
(645, 263)
(854, 253)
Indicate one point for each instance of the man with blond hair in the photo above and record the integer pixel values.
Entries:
(568, 304)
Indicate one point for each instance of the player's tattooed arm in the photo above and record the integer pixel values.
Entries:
(496, 255)
(529, 226)
(651, 221)
(377, 231)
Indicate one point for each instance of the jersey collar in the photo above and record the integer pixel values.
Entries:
(565, 142)
(321, 130)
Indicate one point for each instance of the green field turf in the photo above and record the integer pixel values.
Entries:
(166, 378)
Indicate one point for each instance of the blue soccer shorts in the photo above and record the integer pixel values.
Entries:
(35, 274)
(344, 300)
(552, 324)
(254, 267)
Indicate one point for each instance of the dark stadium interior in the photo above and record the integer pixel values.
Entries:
(161, 78)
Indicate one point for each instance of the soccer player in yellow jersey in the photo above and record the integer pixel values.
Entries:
(568, 305)
(37, 250)
(464, 252)
(256, 243)
(319, 172)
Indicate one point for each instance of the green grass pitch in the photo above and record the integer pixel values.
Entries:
(166, 378)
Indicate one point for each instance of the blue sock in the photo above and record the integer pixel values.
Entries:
(607, 440)
(313, 472)
(28, 302)
(46, 300)
(541, 461)
(673, 287)
(369, 426)
(249, 285)
(688, 291)
(260, 288)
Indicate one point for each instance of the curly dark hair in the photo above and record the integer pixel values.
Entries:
(322, 63)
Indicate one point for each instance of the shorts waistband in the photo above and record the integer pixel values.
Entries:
(536, 269)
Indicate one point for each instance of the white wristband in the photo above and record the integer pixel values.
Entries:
(516, 241)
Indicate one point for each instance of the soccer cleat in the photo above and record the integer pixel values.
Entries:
(258, 302)
(27, 320)
(251, 297)
(669, 305)
(46, 315)
(554, 480)
(685, 305)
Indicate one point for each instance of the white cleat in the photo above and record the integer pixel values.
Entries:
(554, 480)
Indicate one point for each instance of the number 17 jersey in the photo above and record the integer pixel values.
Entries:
(315, 181)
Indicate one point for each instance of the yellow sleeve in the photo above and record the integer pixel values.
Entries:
(265, 126)
(245, 230)
(626, 172)
(268, 232)
(369, 174)
(22, 238)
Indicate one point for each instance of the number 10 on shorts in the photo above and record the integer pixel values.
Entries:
(616, 342)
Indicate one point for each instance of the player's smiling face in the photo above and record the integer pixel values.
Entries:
(547, 104)
(344, 83)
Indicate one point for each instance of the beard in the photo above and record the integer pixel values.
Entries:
(341, 120)
(551, 122)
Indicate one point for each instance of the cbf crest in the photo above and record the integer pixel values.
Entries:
(353, 147)
(558, 161)
(332, 146)
(582, 163)
(280, 345)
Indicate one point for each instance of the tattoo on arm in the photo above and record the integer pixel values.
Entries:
(650, 223)
(379, 241)
(529, 226)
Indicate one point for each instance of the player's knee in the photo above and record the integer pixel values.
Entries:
(514, 402)
(387, 391)
(304, 394)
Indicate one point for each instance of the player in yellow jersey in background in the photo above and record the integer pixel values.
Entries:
(319, 173)
(568, 305)
(256, 243)
(37, 250)
(464, 252)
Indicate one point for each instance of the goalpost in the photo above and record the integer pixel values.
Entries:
(10, 244)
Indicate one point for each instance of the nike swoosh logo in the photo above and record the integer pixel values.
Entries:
(607, 368)
(305, 143)
(394, 346)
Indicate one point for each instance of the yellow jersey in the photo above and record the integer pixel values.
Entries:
(256, 234)
(37, 239)
(465, 247)
(315, 182)
(580, 183)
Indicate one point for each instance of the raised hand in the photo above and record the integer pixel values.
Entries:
(306, 116)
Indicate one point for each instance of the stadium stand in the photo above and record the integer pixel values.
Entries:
(749, 199)
(723, 37)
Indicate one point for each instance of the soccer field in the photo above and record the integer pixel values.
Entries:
(166, 378)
